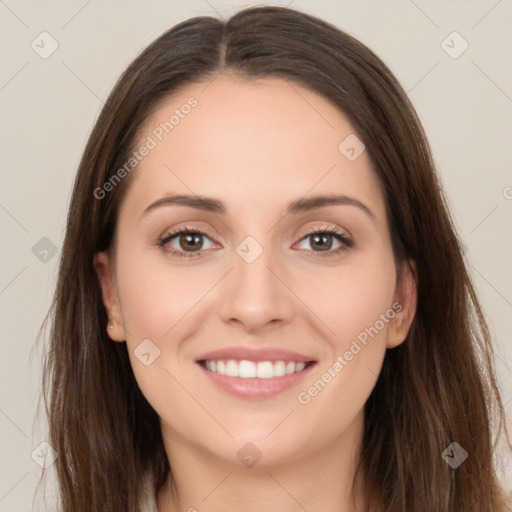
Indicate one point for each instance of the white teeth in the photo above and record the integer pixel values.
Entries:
(265, 370)
(232, 369)
(246, 369)
(250, 370)
(279, 369)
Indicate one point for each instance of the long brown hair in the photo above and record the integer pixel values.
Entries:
(438, 387)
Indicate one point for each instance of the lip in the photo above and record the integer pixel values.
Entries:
(254, 354)
(255, 388)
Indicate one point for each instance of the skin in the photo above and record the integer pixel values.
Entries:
(255, 145)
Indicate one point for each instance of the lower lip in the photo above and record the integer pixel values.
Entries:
(256, 388)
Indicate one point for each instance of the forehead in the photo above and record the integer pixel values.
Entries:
(252, 143)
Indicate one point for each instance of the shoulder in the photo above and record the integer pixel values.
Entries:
(148, 500)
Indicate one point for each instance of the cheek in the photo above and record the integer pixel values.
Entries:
(355, 305)
(155, 297)
(351, 299)
(157, 304)
(167, 304)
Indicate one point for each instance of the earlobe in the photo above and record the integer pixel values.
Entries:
(406, 301)
(104, 271)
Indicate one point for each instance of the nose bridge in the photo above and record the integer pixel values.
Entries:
(255, 295)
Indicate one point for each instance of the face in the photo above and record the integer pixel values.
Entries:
(262, 307)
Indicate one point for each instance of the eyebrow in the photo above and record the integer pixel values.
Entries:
(296, 206)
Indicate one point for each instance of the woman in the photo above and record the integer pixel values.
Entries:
(322, 348)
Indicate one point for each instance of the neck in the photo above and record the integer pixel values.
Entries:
(319, 480)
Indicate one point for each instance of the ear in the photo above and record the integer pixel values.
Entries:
(404, 305)
(104, 268)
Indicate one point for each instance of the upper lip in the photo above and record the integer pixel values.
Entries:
(254, 354)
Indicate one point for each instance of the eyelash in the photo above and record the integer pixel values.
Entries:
(346, 243)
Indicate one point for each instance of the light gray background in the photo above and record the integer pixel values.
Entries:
(49, 105)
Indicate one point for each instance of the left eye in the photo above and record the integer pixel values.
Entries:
(324, 239)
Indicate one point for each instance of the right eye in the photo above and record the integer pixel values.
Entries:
(183, 239)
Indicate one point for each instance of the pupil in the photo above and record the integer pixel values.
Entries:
(322, 244)
(190, 239)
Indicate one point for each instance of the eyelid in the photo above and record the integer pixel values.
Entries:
(321, 228)
(169, 235)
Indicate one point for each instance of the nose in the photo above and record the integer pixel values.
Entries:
(256, 295)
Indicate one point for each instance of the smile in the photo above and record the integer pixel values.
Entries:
(254, 373)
